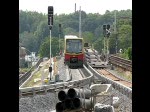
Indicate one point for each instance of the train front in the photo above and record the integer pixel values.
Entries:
(74, 54)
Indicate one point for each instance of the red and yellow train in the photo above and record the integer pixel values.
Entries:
(73, 51)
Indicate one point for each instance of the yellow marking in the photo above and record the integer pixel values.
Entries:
(46, 81)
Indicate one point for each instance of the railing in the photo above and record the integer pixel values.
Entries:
(121, 88)
(32, 91)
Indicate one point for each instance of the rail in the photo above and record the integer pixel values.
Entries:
(124, 63)
(24, 77)
(120, 87)
(32, 91)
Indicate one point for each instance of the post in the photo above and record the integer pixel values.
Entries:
(50, 49)
(50, 23)
(104, 45)
(115, 32)
(107, 48)
(116, 43)
(80, 23)
(59, 41)
(59, 35)
(31, 59)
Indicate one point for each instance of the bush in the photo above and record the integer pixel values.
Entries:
(130, 53)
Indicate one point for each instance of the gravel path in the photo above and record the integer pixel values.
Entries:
(39, 103)
(42, 103)
(124, 105)
(76, 74)
(62, 69)
(46, 103)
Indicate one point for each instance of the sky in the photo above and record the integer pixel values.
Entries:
(68, 6)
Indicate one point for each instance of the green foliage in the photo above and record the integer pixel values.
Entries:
(127, 54)
(34, 32)
(69, 31)
(112, 44)
(130, 53)
(88, 37)
(98, 45)
(24, 70)
(124, 54)
(29, 41)
(45, 47)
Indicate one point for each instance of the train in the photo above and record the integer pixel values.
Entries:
(73, 51)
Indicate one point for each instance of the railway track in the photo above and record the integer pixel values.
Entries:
(25, 76)
(75, 74)
(114, 78)
(123, 63)
(75, 82)
(86, 77)
(122, 86)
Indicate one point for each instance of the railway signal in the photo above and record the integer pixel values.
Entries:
(50, 16)
(59, 28)
(50, 24)
(108, 30)
(106, 33)
(104, 30)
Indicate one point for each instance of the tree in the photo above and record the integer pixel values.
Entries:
(130, 53)
(45, 47)
(125, 36)
(42, 32)
(99, 45)
(29, 41)
(33, 29)
(69, 31)
(88, 37)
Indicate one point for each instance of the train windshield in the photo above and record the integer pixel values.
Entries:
(73, 46)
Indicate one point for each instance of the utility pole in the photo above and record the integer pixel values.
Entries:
(80, 23)
(104, 45)
(107, 34)
(104, 34)
(50, 23)
(115, 32)
(59, 35)
(107, 49)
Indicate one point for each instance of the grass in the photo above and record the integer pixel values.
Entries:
(125, 74)
(24, 70)
(31, 82)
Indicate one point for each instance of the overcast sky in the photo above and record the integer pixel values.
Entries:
(68, 6)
